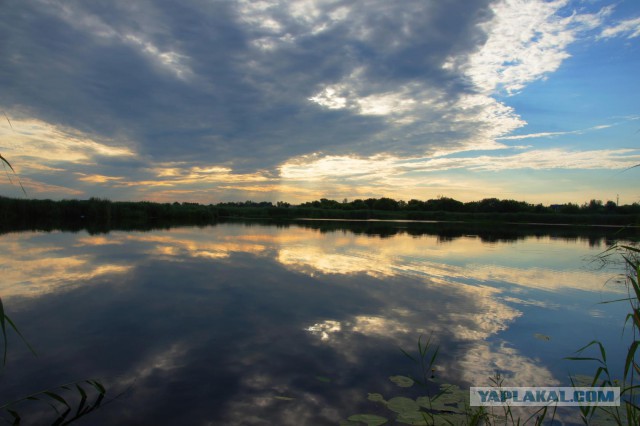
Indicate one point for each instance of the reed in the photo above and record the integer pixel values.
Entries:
(629, 411)
(68, 402)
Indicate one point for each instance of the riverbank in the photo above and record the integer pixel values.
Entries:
(99, 214)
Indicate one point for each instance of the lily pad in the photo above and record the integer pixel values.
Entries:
(542, 337)
(401, 404)
(375, 397)
(412, 418)
(369, 419)
(424, 401)
(402, 381)
(582, 380)
(451, 394)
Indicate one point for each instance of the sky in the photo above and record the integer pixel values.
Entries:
(210, 100)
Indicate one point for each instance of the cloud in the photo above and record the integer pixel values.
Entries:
(629, 28)
(390, 168)
(240, 99)
(249, 85)
(336, 321)
(526, 41)
(552, 134)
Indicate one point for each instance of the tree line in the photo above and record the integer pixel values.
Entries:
(101, 214)
(487, 205)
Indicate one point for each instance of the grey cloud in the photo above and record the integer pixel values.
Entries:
(97, 67)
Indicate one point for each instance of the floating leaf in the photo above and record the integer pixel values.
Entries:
(450, 394)
(412, 418)
(581, 380)
(323, 379)
(542, 337)
(402, 381)
(424, 401)
(401, 404)
(284, 398)
(440, 405)
(375, 397)
(369, 419)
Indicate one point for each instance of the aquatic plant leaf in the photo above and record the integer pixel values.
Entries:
(323, 379)
(439, 405)
(16, 416)
(401, 404)
(83, 400)
(284, 398)
(96, 384)
(412, 418)
(424, 401)
(15, 328)
(631, 354)
(542, 337)
(450, 394)
(369, 419)
(56, 397)
(375, 397)
(408, 355)
(4, 332)
(402, 381)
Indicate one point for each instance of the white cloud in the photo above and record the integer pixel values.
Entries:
(551, 134)
(378, 89)
(47, 142)
(526, 41)
(323, 168)
(629, 28)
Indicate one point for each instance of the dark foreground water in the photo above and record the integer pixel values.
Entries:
(295, 325)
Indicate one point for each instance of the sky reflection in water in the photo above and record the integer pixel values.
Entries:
(213, 324)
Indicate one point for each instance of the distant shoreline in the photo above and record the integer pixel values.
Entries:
(105, 214)
(462, 222)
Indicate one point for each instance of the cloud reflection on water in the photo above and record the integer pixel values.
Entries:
(241, 315)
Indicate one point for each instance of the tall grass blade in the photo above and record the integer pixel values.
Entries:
(16, 417)
(4, 332)
(96, 384)
(57, 397)
(13, 325)
(433, 357)
(631, 248)
(8, 121)
(61, 418)
(5, 161)
(630, 357)
(408, 355)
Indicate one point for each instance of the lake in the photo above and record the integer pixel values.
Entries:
(295, 324)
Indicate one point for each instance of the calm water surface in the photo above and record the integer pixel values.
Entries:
(288, 325)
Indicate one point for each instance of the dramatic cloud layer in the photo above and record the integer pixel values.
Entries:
(225, 99)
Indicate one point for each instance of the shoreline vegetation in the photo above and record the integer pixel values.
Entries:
(101, 215)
